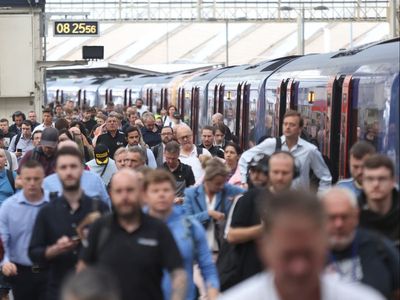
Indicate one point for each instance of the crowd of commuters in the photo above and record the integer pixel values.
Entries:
(122, 204)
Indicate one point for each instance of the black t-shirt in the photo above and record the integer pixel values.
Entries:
(371, 259)
(246, 214)
(215, 151)
(136, 259)
(388, 224)
(54, 221)
(113, 143)
(184, 177)
(151, 138)
(89, 125)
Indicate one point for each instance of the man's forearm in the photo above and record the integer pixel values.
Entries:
(241, 235)
(179, 284)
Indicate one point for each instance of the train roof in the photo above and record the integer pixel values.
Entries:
(347, 60)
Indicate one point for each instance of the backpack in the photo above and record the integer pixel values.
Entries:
(199, 150)
(9, 159)
(11, 179)
(17, 140)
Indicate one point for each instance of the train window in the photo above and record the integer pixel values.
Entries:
(373, 106)
(212, 95)
(254, 134)
(229, 111)
(311, 100)
(187, 107)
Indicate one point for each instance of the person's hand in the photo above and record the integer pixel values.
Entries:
(63, 245)
(216, 215)
(179, 200)
(9, 269)
(18, 154)
(18, 182)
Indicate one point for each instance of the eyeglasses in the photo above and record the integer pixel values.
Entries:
(185, 137)
(380, 179)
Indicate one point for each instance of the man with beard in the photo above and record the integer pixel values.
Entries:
(55, 240)
(134, 247)
(358, 255)
(167, 134)
(293, 246)
(359, 153)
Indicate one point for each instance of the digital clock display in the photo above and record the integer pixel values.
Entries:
(76, 28)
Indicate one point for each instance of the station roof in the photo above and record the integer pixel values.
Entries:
(149, 48)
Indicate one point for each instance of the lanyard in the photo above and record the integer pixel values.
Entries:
(354, 251)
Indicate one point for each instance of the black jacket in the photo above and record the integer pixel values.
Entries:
(388, 224)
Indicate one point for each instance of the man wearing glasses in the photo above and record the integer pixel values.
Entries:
(379, 203)
(190, 154)
(167, 135)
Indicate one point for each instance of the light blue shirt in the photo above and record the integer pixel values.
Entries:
(351, 185)
(17, 218)
(307, 157)
(91, 184)
(6, 189)
(191, 240)
(25, 144)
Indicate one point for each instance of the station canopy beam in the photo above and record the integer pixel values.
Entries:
(222, 11)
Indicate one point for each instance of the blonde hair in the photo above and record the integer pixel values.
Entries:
(214, 167)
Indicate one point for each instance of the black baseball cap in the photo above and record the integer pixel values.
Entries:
(49, 137)
(101, 154)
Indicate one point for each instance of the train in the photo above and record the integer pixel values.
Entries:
(344, 96)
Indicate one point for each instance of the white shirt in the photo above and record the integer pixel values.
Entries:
(41, 127)
(307, 157)
(193, 161)
(262, 287)
(211, 228)
(142, 110)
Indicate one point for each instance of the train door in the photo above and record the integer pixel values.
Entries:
(215, 100)
(149, 100)
(220, 102)
(242, 116)
(336, 125)
(286, 100)
(239, 101)
(164, 104)
(347, 132)
(107, 97)
(195, 112)
(180, 103)
(79, 100)
(126, 97)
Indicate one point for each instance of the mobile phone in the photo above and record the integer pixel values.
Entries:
(75, 238)
(19, 150)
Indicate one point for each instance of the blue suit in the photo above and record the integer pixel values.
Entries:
(195, 201)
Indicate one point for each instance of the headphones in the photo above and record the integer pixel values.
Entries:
(296, 169)
(18, 113)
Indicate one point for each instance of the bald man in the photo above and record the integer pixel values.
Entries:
(358, 255)
(190, 154)
(142, 255)
(90, 182)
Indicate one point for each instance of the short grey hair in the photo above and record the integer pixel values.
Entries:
(349, 195)
(137, 149)
(147, 116)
